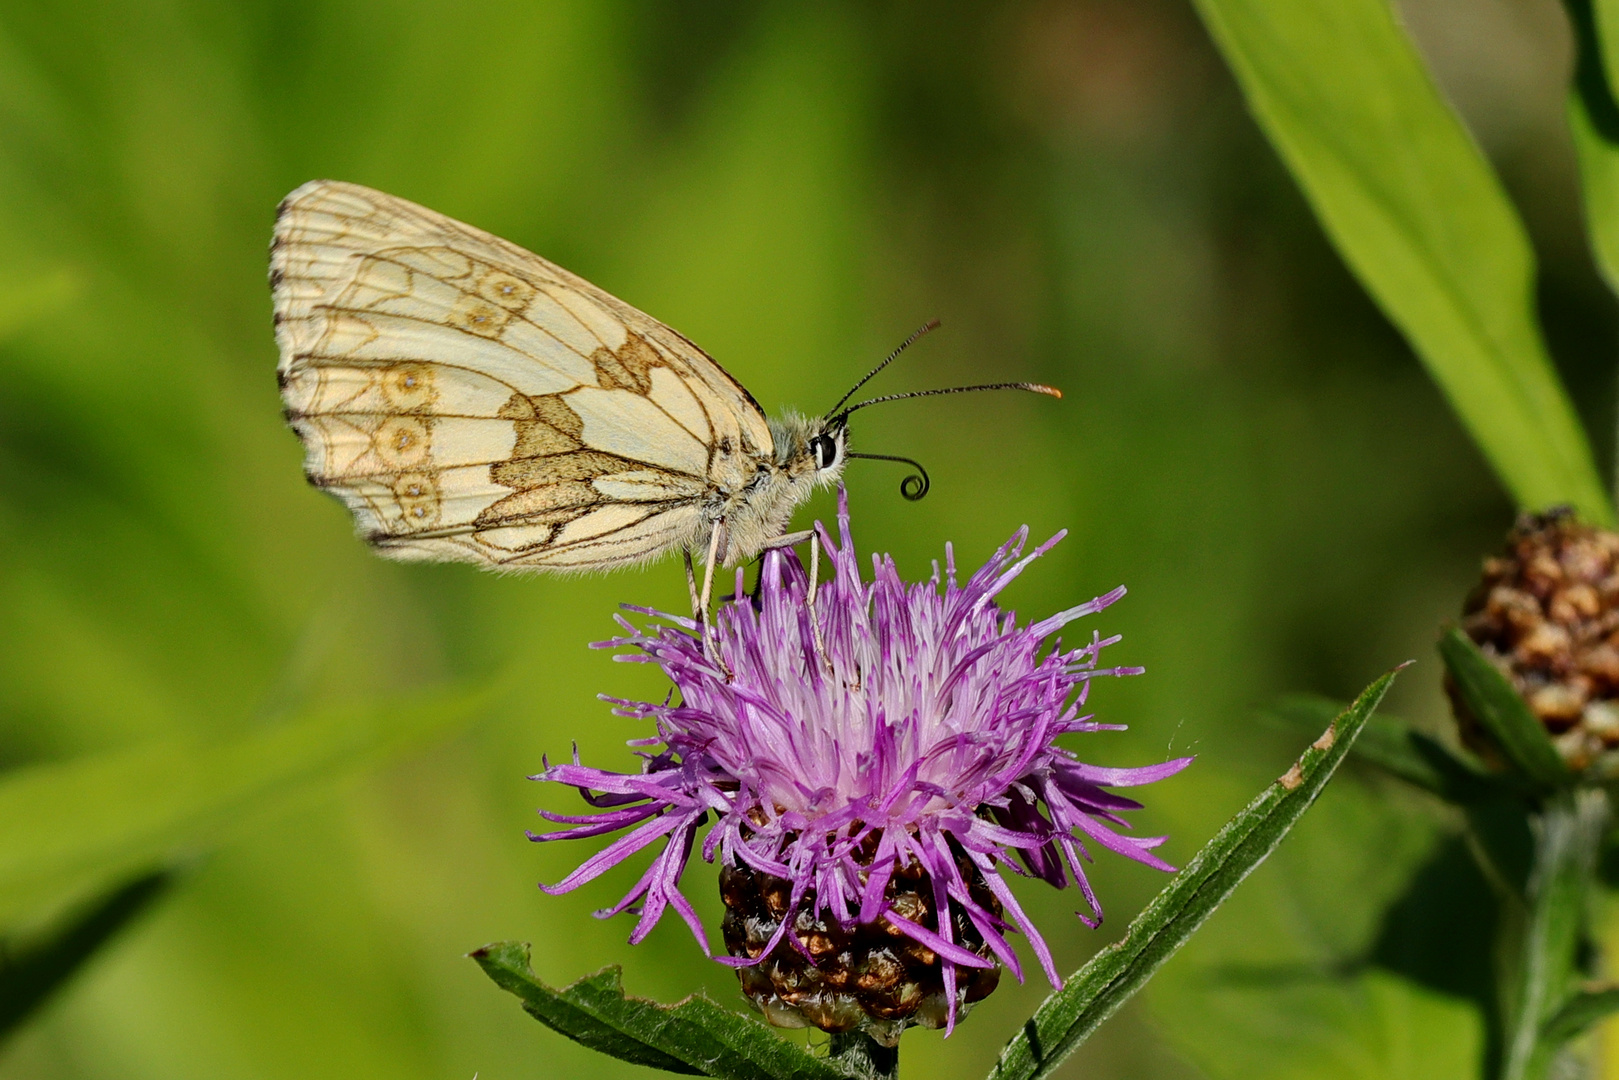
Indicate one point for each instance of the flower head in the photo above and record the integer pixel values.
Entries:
(871, 771)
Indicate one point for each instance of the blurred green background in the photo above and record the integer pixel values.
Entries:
(1074, 188)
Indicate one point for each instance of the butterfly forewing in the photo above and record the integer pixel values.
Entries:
(471, 401)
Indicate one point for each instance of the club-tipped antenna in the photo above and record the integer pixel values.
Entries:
(930, 325)
(915, 487)
(1033, 388)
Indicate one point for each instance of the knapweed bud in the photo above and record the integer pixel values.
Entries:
(874, 758)
(1547, 613)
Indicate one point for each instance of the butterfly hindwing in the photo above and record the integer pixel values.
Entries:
(470, 401)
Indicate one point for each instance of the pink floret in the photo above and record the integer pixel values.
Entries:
(928, 725)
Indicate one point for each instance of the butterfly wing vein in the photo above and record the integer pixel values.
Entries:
(470, 401)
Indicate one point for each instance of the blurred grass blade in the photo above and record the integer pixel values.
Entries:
(1395, 747)
(70, 828)
(1498, 706)
(1068, 1017)
(1417, 213)
(694, 1036)
(31, 970)
(1580, 1012)
(1598, 156)
(1593, 119)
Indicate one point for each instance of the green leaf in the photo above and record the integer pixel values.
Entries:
(1394, 746)
(1109, 979)
(1368, 1025)
(70, 828)
(1541, 949)
(31, 970)
(1416, 212)
(1502, 711)
(1580, 1012)
(1593, 119)
(1602, 18)
(1360, 951)
(693, 1036)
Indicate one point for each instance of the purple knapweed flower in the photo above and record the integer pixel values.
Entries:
(871, 773)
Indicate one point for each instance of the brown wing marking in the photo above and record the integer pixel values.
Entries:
(362, 218)
(376, 301)
(494, 304)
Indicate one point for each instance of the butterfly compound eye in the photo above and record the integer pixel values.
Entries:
(824, 451)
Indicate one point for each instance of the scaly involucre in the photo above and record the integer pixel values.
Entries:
(921, 729)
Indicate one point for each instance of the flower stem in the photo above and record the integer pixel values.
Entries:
(1542, 937)
(861, 1055)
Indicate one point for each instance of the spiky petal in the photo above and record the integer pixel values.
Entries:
(920, 732)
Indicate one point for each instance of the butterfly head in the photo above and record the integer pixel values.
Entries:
(826, 445)
(826, 449)
(811, 449)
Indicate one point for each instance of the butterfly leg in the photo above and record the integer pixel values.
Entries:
(702, 605)
(815, 618)
(793, 540)
(691, 586)
(787, 540)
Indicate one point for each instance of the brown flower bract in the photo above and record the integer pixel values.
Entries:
(867, 976)
(1547, 613)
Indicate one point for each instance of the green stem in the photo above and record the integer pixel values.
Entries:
(1542, 934)
(863, 1056)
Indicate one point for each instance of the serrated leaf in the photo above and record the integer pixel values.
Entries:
(1416, 212)
(693, 1036)
(1502, 711)
(32, 970)
(72, 828)
(1068, 1017)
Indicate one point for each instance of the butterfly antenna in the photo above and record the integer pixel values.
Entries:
(914, 487)
(931, 324)
(1033, 388)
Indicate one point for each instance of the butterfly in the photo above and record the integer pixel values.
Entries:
(469, 401)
